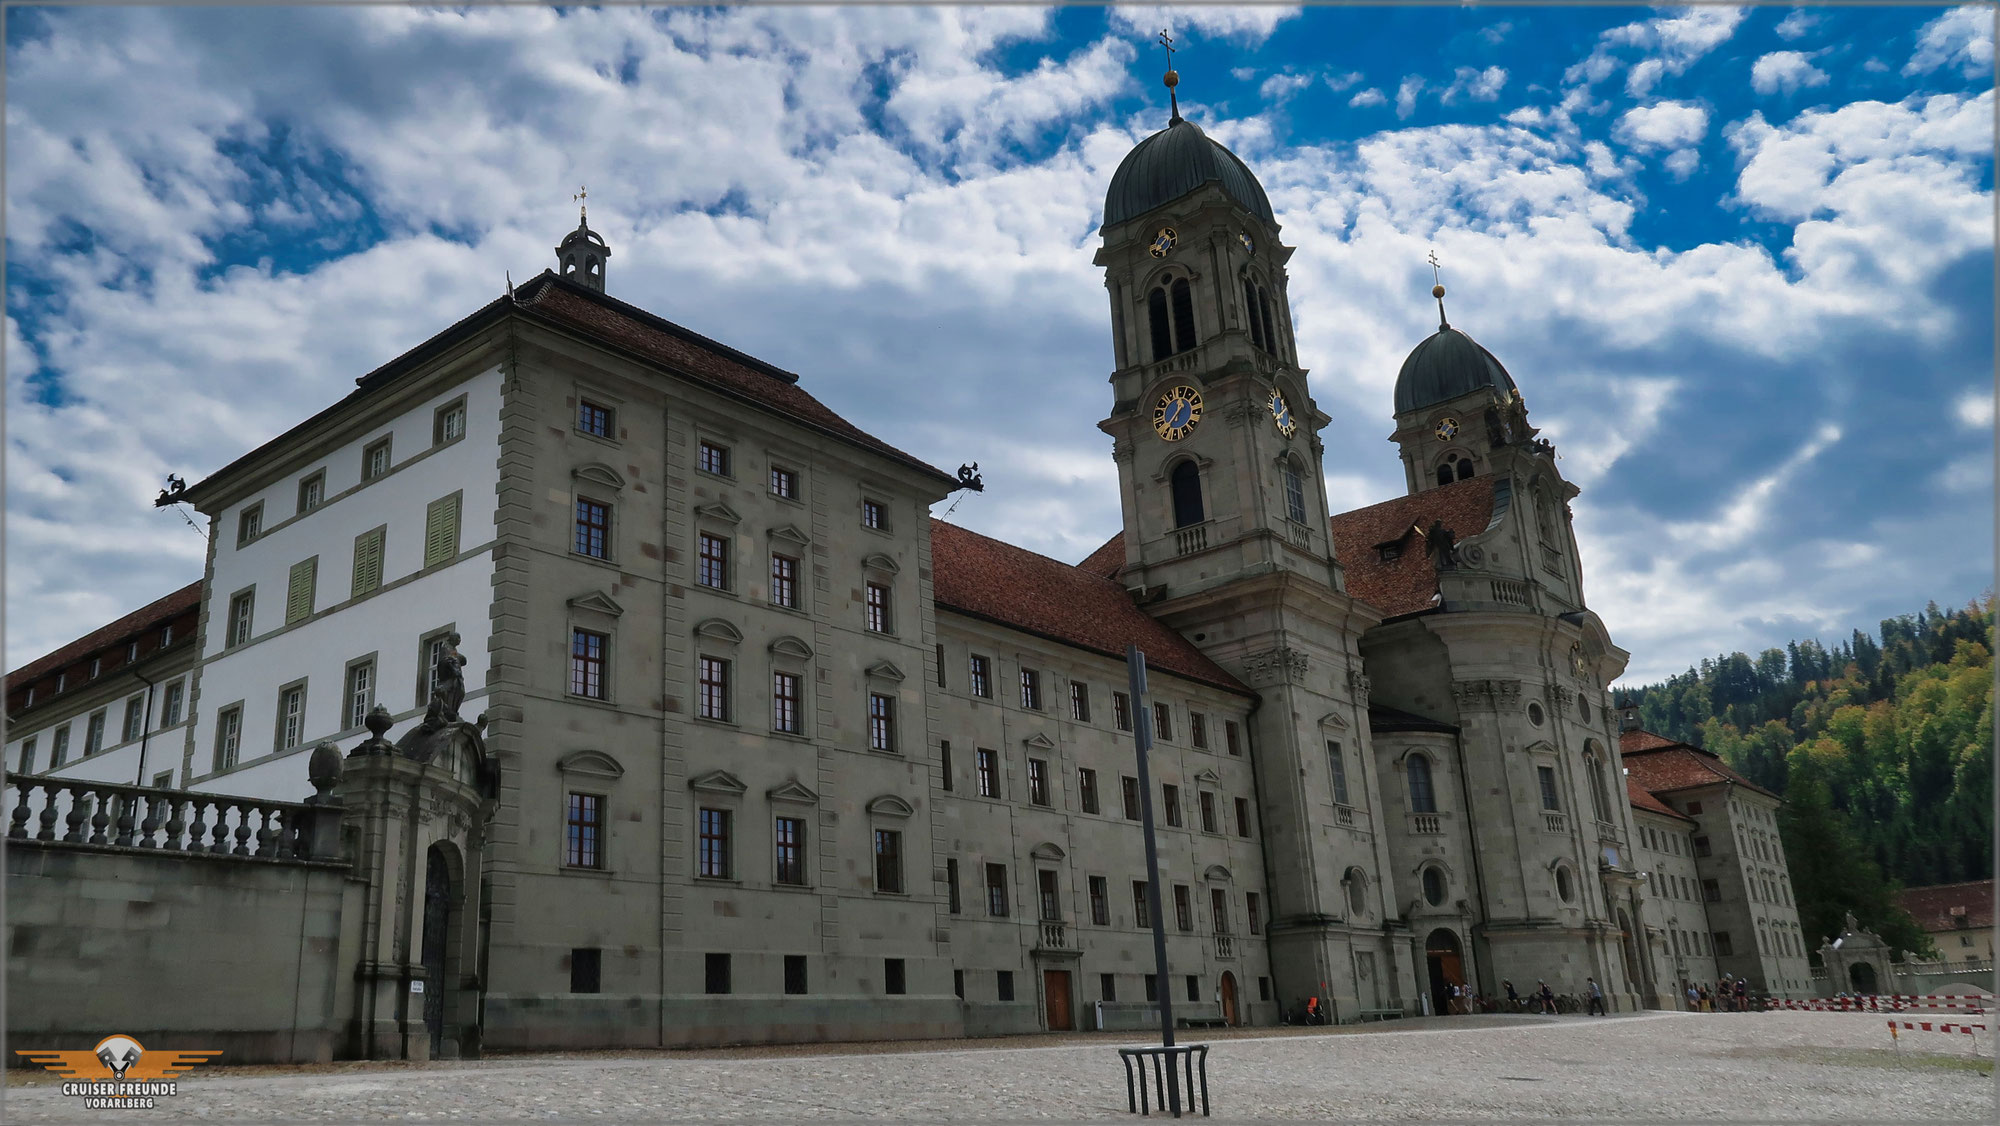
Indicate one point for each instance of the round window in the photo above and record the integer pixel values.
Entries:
(1357, 892)
(1433, 886)
(1535, 714)
(1563, 887)
(1583, 708)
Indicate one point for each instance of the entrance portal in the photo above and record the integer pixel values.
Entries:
(1446, 960)
(1229, 1016)
(437, 921)
(1055, 993)
(1861, 976)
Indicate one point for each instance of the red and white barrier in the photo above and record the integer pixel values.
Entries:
(1927, 1026)
(1890, 1003)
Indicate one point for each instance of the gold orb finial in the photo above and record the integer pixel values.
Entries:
(1437, 291)
(1173, 79)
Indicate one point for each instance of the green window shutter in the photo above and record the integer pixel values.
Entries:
(299, 594)
(368, 561)
(441, 531)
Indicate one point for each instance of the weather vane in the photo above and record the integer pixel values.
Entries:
(582, 198)
(1437, 290)
(1173, 78)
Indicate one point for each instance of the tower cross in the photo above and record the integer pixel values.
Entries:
(582, 198)
(1173, 78)
(1437, 290)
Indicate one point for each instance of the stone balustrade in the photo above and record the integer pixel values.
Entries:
(1189, 540)
(78, 812)
(1055, 935)
(1555, 822)
(1225, 945)
(1428, 824)
(1511, 591)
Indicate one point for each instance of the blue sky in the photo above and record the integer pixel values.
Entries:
(1738, 259)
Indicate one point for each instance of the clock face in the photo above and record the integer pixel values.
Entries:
(1249, 244)
(1281, 412)
(1177, 412)
(1447, 429)
(1163, 243)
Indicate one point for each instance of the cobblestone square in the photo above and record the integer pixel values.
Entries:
(1796, 1067)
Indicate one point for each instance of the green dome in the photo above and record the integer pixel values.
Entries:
(1172, 163)
(1445, 366)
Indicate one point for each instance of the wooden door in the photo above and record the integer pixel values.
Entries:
(1229, 1016)
(1055, 991)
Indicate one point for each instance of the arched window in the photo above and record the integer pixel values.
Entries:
(1264, 311)
(1186, 485)
(1183, 296)
(1444, 474)
(1464, 468)
(1545, 516)
(1600, 792)
(1295, 493)
(1250, 312)
(1422, 798)
(1156, 316)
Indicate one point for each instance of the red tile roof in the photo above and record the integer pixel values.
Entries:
(149, 616)
(1406, 584)
(984, 578)
(1667, 766)
(1932, 907)
(1635, 740)
(1107, 560)
(700, 358)
(1642, 800)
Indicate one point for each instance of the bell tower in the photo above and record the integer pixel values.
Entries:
(581, 255)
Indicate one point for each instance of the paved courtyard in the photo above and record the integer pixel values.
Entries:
(1723, 1067)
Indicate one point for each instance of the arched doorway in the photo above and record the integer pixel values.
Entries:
(1447, 964)
(1229, 1015)
(1629, 945)
(1861, 976)
(440, 901)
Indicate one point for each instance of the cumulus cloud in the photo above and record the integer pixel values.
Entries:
(1251, 24)
(1368, 97)
(1279, 88)
(1663, 125)
(1406, 95)
(1339, 82)
(1784, 71)
(1962, 36)
(1479, 85)
(1796, 24)
(1974, 410)
(1669, 44)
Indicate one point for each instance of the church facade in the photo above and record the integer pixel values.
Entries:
(782, 757)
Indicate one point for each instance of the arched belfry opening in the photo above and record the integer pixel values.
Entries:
(582, 254)
(1185, 482)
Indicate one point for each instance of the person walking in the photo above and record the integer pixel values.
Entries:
(1742, 996)
(1513, 998)
(1706, 1005)
(1547, 997)
(1596, 997)
(1694, 998)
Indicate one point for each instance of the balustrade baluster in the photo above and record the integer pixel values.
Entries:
(198, 828)
(220, 843)
(243, 830)
(100, 817)
(18, 830)
(125, 819)
(267, 832)
(176, 824)
(49, 791)
(79, 814)
(288, 833)
(151, 823)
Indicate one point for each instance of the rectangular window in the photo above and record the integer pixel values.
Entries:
(1198, 729)
(1079, 701)
(583, 830)
(1253, 910)
(888, 860)
(1547, 775)
(1152, 987)
(1193, 987)
(784, 483)
(1711, 891)
(441, 531)
(958, 984)
(881, 722)
(716, 973)
(312, 490)
(1701, 846)
(1233, 737)
(593, 419)
(982, 679)
(713, 699)
(249, 522)
(93, 734)
(1170, 800)
(951, 883)
(1184, 907)
(1004, 986)
(241, 609)
(1086, 789)
(1218, 906)
(795, 973)
(135, 718)
(785, 581)
(448, 424)
(714, 844)
(996, 890)
(940, 664)
(1694, 809)
(1263, 989)
(166, 639)
(1209, 823)
(586, 966)
(1051, 902)
(944, 763)
(878, 608)
(367, 562)
(375, 460)
(1038, 781)
(228, 737)
(1242, 817)
(989, 775)
(586, 664)
(785, 703)
(1100, 901)
(27, 763)
(1142, 914)
(892, 976)
(1107, 986)
(360, 695)
(712, 562)
(1129, 786)
(789, 843)
(711, 458)
(593, 529)
(1031, 690)
(1295, 496)
(291, 717)
(1723, 949)
(1163, 723)
(874, 514)
(300, 590)
(59, 753)
(1121, 711)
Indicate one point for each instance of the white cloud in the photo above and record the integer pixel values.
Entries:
(1250, 24)
(1494, 33)
(1785, 71)
(1406, 95)
(1664, 125)
(1796, 24)
(1279, 88)
(1368, 97)
(1340, 82)
(1682, 163)
(1671, 44)
(1479, 85)
(1963, 36)
(1974, 410)
(1243, 73)
(1643, 76)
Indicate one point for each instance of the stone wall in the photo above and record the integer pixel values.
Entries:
(179, 951)
(568, 1021)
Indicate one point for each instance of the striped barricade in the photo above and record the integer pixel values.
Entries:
(1930, 1026)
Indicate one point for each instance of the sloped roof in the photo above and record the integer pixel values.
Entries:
(150, 616)
(1932, 906)
(1107, 560)
(1671, 766)
(1636, 740)
(1640, 799)
(1405, 585)
(1011, 586)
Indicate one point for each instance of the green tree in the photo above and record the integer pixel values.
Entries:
(1832, 875)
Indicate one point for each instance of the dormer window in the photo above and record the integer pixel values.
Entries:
(1170, 315)
(1390, 552)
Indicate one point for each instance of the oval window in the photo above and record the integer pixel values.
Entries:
(1433, 886)
(1583, 708)
(1535, 714)
(1357, 892)
(1563, 887)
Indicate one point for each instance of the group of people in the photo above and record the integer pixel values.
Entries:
(1541, 999)
(1730, 995)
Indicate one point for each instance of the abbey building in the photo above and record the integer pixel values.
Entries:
(783, 757)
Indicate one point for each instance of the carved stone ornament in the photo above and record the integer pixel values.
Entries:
(1559, 697)
(1273, 665)
(1486, 694)
(1121, 450)
(1358, 685)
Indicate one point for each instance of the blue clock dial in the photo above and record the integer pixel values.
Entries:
(1177, 413)
(1163, 243)
(1281, 413)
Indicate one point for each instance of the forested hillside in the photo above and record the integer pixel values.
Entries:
(1882, 746)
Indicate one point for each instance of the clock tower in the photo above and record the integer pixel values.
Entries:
(1226, 537)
